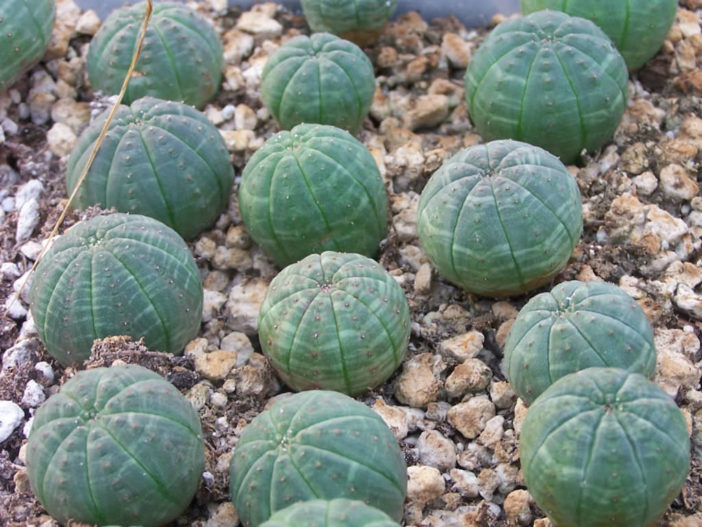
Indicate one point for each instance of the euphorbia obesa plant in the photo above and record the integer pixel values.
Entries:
(116, 446)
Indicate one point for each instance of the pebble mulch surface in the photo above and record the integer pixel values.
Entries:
(449, 405)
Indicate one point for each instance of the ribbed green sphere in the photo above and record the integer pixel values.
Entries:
(159, 158)
(637, 27)
(116, 446)
(181, 59)
(343, 16)
(119, 274)
(548, 79)
(25, 28)
(604, 448)
(316, 444)
(576, 325)
(319, 79)
(500, 219)
(333, 513)
(335, 321)
(313, 189)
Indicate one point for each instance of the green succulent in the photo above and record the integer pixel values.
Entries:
(312, 189)
(335, 321)
(576, 325)
(116, 275)
(116, 446)
(637, 27)
(333, 513)
(159, 158)
(548, 79)
(604, 448)
(316, 445)
(320, 79)
(25, 26)
(500, 219)
(181, 58)
(346, 18)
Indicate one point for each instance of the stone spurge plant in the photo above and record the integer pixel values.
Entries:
(312, 189)
(319, 79)
(334, 513)
(548, 79)
(604, 448)
(116, 446)
(637, 27)
(181, 59)
(349, 19)
(316, 444)
(335, 321)
(159, 158)
(116, 275)
(25, 27)
(576, 325)
(500, 219)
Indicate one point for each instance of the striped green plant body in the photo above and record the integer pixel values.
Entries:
(25, 28)
(500, 219)
(116, 275)
(319, 79)
(341, 16)
(181, 59)
(576, 325)
(335, 321)
(312, 189)
(550, 80)
(637, 27)
(604, 448)
(333, 513)
(316, 445)
(116, 446)
(159, 158)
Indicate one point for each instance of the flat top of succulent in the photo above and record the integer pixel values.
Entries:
(101, 232)
(316, 46)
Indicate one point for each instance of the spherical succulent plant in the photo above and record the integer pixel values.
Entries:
(334, 513)
(116, 275)
(116, 446)
(637, 27)
(316, 444)
(25, 26)
(352, 20)
(312, 189)
(604, 448)
(181, 59)
(159, 158)
(500, 219)
(576, 325)
(548, 79)
(335, 321)
(319, 79)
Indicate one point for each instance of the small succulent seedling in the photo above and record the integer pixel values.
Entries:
(316, 444)
(116, 446)
(334, 513)
(548, 79)
(500, 219)
(335, 321)
(116, 275)
(319, 79)
(604, 448)
(25, 28)
(576, 325)
(181, 58)
(637, 27)
(159, 158)
(313, 189)
(354, 20)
